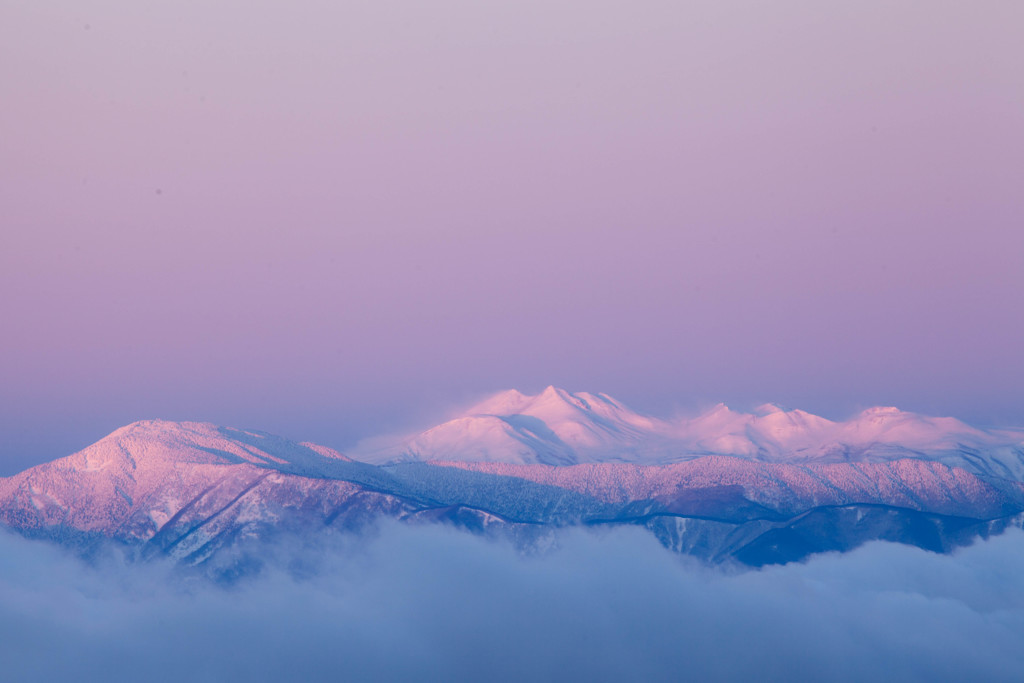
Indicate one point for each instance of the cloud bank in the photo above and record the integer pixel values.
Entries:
(436, 604)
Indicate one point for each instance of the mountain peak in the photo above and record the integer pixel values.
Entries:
(554, 426)
(508, 402)
(555, 397)
(513, 402)
(767, 409)
(719, 410)
(883, 411)
(157, 445)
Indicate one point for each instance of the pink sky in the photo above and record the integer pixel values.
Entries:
(331, 219)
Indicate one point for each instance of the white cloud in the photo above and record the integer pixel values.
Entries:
(431, 603)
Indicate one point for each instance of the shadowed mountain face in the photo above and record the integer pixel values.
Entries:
(192, 491)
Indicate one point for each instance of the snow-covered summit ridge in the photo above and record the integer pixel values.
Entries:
(558, 427)
(551, 400)
(189, 490)
(553, 427)
(152, 445)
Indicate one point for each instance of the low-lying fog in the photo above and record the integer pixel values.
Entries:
(431, 603)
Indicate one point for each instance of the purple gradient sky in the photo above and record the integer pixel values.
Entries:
(330, 219)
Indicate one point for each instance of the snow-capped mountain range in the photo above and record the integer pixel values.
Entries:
(556, 427)
(765, 487)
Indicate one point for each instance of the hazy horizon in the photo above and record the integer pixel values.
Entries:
(345, 220)
(434, 415)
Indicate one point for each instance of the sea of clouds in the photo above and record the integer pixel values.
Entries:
(436, 604)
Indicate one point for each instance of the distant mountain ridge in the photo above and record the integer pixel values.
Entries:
(199, 493)
(556, 427)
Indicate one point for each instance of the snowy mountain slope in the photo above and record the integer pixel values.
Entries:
(556, 427)
(195, 491)
(553, 427)
(187, 488)
(703, 486)
(875, 435)
(152, 476)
